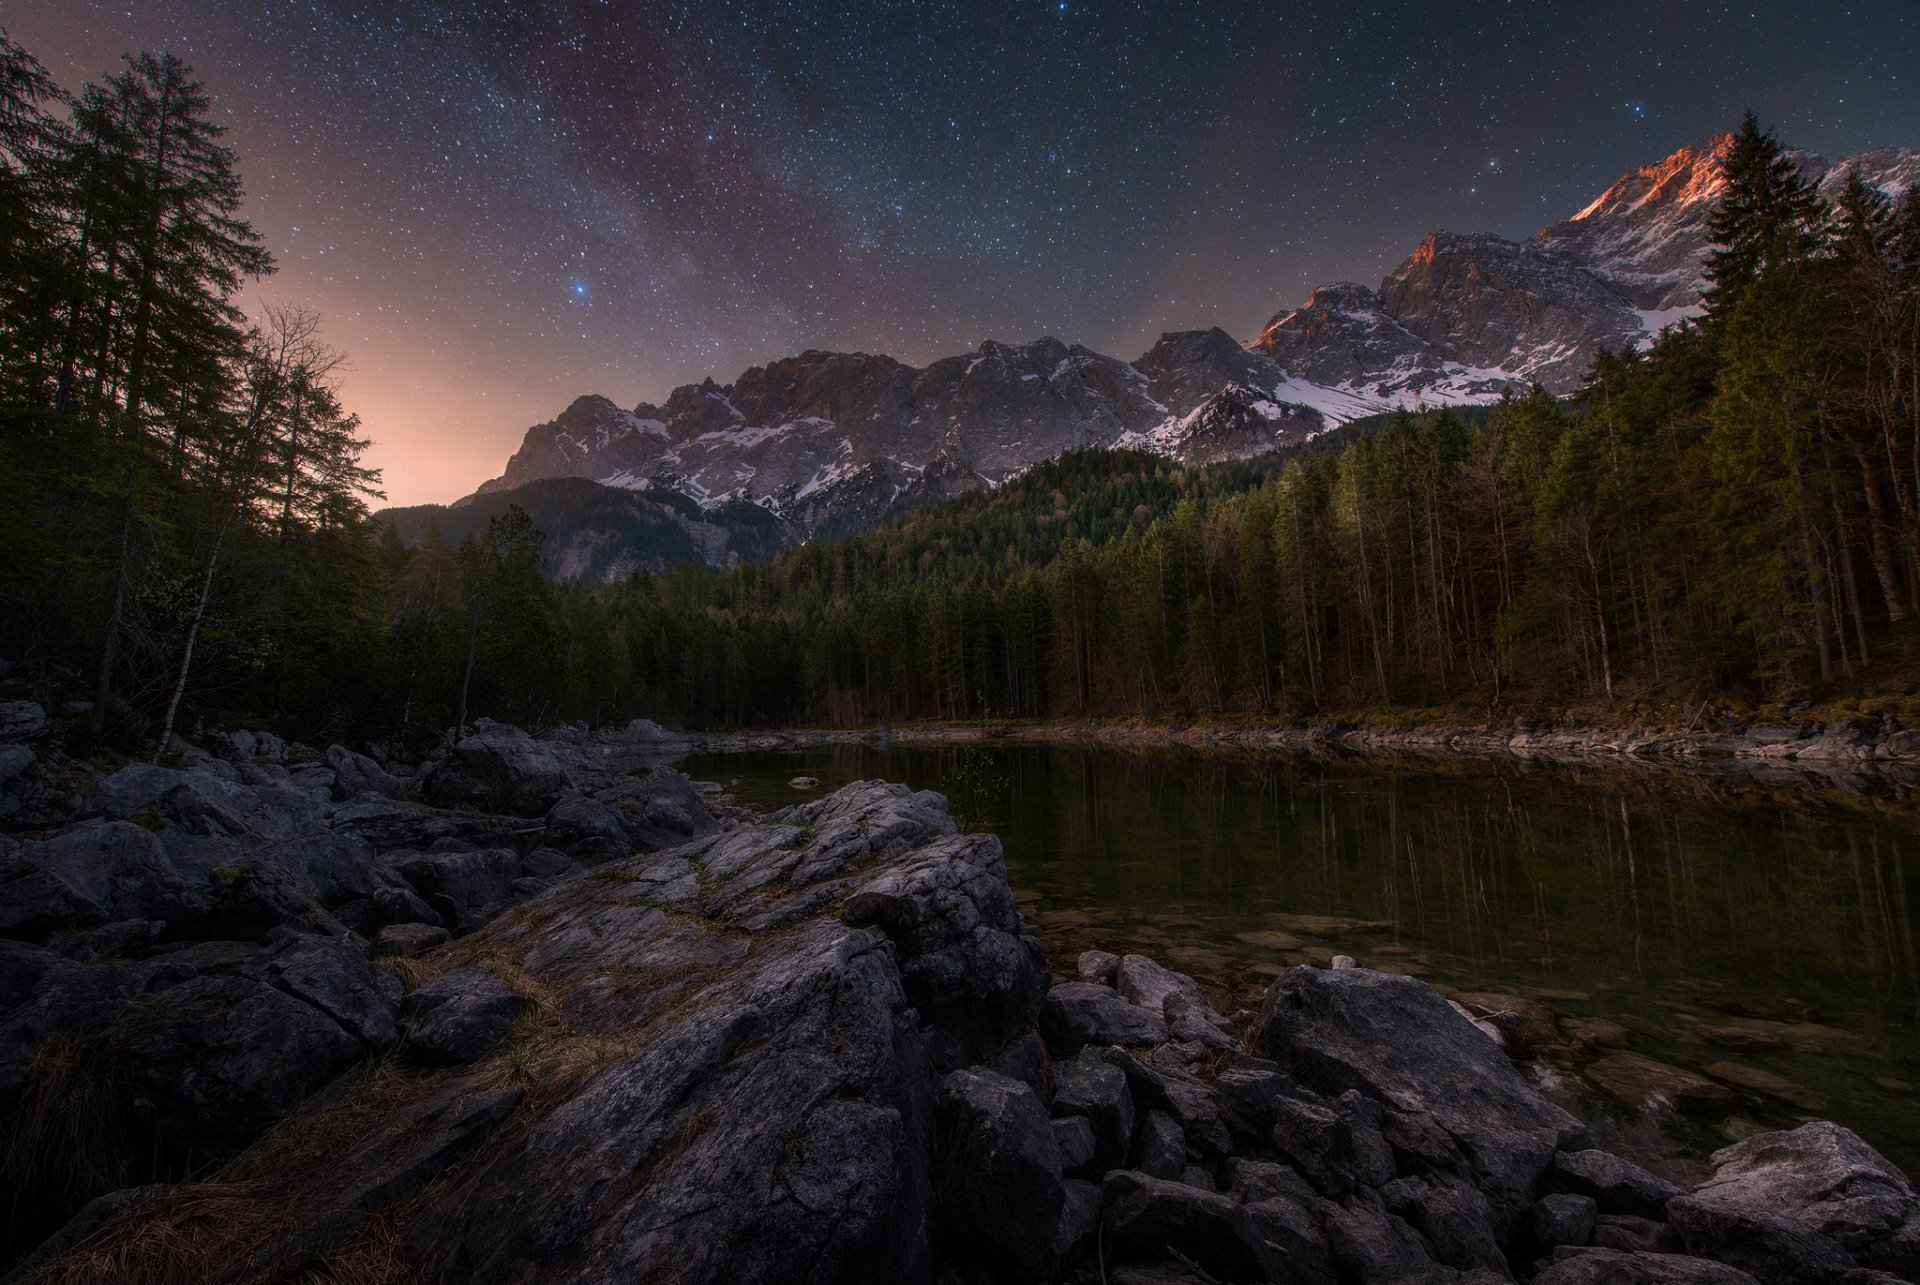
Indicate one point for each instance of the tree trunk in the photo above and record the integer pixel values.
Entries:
(193, 636)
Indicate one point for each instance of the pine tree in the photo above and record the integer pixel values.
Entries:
(1768, 216)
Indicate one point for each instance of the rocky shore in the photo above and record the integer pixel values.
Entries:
(1854, 754)
(531, 1012)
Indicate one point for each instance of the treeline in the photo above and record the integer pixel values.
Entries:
(1733, 513)
(181, 499)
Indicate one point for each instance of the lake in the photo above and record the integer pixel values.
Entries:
(1758, 938)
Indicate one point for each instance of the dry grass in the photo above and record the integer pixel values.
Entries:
(68, 1139)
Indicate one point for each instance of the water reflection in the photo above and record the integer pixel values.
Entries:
(1764, 939)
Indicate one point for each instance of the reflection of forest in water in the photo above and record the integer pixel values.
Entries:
(1725, 926)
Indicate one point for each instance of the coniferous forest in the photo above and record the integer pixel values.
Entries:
(1732, 515)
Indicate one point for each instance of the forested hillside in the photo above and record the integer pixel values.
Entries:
(1733, 514)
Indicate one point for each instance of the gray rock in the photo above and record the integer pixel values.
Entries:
(356, 774)
(1073, 1134)
(1077, 1014)
(1618, 1186)
(1397, 1041)
(1000, 1192)
(22, 721)
(1159, 1147)
(459, 1016)
(497, 769)
(1079, 1221)
(333, 976)
(1453, 1218)
(1289, 1228)
(1628, 1232)
(1147, 1218)
(216, 1059)
(575, 818)
(1771, 1246)
(1826, 1178)
(1096, 966)
(407, 940)
(14, 762)
(1091, 1088)
(1564, 1219)
(465, 889)
(1258, 1180)
(1372, 1247)
(1620, 1267)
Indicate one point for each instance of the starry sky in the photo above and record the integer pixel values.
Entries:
(498, 206)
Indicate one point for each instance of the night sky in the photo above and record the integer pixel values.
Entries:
(498, 206)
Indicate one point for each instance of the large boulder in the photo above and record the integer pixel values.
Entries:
(1449, 1094)
(464, 889)
(216, 1059)
(356, 774)
(497, 769)
(1827, 1179)
(1000, 1189)
(1077, 1014)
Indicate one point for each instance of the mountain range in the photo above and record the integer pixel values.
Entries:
(829, 443)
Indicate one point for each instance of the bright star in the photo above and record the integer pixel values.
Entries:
(578, 289)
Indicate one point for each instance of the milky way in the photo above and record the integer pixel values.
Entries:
(498, 206)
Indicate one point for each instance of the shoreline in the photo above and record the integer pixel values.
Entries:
(1853, 755)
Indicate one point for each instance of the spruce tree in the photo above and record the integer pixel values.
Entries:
(1768, 216)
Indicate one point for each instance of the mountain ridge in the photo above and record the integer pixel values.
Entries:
(830, 442)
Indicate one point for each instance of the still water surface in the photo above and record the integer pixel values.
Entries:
(1724, 926)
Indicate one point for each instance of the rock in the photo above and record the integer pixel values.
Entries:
(1079, 1221)
(1742, 1037)
(1398, 1042)
(1563, 1220)
(1454, 1219)
(1097, 967)
(805, 783)
(1317, 1140)
(497, 769)
(1073, 1134)
(1619, 1267)
(22, 721)
(1373, 1247)
(1595, 1030)
(1525, 1025)
(1755, 1080)
(201, 801)
(1143, 983)
(1827, 1179)
(356, 774)
(1076, 1014)
(14, 762)
(576, 818)
(1000, 1193)
(1287, 1227)
(1148, 1218)
(404, 941)
(1618, 1186)
(465, 889)
(333, 976)
(216, 1059)
(1278, 942)
(1091, 1088)
(1642, 1082)
(1643, 1235)
(1258, 1180)
(644, 732)
(1160, 1148)
(1768, 1245)
(459, 1016)
(1342, 962)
